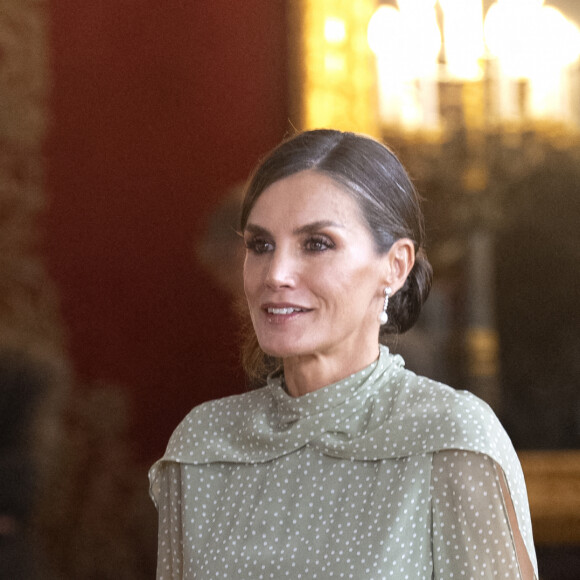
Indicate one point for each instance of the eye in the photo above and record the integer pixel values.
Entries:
(318, 244)
(258, 245)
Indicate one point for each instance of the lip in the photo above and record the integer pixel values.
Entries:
(283, 311)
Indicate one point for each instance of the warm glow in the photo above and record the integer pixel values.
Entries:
(334, 63)
(512, 35)
(563, 36)
(407, 44)
(334, 69)
(538, 43)
(530, 39)
(422, 37)
(463, 33)
(385, 32)
(526, 47)
(408, 37)
(334, 30)
(417, 5)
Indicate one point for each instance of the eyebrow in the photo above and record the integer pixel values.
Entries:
(305, 229)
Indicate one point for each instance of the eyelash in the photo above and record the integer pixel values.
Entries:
(322, 242)
(257, 245)
(313, 244)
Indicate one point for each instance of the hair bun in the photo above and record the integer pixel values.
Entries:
(405, 305)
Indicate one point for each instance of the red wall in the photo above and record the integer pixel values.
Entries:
(157, 108)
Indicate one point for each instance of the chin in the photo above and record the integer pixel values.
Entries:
(280, 349)
(287, 351)
(276, 352)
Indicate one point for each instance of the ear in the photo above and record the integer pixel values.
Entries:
(399, 263)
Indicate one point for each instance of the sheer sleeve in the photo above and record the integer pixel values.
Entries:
(166, 491)
(472, 535)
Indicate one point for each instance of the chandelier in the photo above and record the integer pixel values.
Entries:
(366, 66)
(522, 56)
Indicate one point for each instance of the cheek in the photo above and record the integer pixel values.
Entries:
(247, 276)
(340, 287)
(357, 288)
(252, 276)
(249, 288)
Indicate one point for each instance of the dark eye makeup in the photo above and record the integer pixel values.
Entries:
(258, 245)
(312, 244)
(318, 243)
(259, 241)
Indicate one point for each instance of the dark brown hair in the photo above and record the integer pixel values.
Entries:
(389, 202)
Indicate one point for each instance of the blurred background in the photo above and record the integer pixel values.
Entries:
(127, 130)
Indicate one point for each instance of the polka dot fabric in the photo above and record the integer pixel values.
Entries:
(381, 475)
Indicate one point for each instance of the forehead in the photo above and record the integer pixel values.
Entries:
(305, 196)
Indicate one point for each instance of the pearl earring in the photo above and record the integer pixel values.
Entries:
(384, 317)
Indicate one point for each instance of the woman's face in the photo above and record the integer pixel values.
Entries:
(313, 280)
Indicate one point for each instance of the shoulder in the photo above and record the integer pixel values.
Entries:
(421, 394)
(447, 418)
(204, 435)
(212, 426)
(451, 419)
(217, 411)
(217, 417)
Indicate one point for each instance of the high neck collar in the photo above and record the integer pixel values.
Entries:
(291, 409)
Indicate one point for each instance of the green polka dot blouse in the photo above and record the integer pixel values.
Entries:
(382, 475)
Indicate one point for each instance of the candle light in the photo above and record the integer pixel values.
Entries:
(463, 34)
(407, 43)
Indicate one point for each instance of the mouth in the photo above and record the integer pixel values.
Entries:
(284, 310)
(280, 313)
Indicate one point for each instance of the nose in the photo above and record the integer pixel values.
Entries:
(282, 270)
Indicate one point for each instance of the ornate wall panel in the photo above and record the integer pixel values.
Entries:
(28, 314)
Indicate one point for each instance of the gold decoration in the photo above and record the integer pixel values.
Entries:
(482, 349)
(29, 319)
(28, 313)
(334, 77)
(553, 482)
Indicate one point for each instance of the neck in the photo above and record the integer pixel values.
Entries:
(306, 374)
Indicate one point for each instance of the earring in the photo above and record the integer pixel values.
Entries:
(384, 317)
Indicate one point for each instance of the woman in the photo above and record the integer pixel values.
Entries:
(345, 464)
